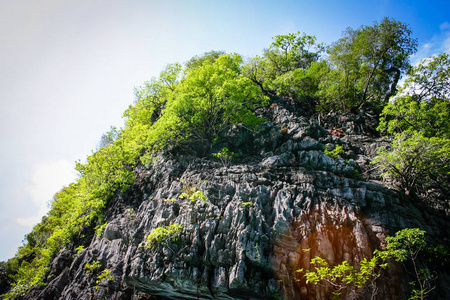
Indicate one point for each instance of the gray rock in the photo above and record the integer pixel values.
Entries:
(309, 143)
(248, 238)
(112, 231)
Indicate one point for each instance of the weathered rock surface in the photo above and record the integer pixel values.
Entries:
(246, 240)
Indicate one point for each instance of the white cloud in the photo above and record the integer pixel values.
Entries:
(445, 26)
(447, 44)
(438, 44)
(48, 178)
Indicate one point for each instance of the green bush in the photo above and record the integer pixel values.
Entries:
(192, 192)
(335, 153)
(103, 278)
(93, 268)
(225, 156)
(418, 160)
(79, 249)
(405, 245)
(162, 234)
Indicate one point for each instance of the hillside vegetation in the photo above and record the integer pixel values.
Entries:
(190, 107)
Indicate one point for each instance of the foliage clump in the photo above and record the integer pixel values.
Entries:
(335, 153)
(93, 268)
(162, 235)
(405, 246)
(103, 278)
(362, 68)
(192, 192)
(225, 156)
(418, 160)
(345, 276)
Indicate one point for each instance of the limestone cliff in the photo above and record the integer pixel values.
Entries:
(246, 240)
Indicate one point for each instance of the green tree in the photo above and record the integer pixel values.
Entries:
(406, 245)
(419, 119)
(198, 61)
(208, 101)
(345, 277)
(152, 96)
(109, 137)
(424, 101)
(366, 65)
(286, 54)
(292, 51)
(302, 85)
(430, 79)
(415, 162)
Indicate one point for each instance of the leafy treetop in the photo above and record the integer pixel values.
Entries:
(366, 65)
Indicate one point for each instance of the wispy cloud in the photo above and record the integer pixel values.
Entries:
(438, 44)
(48, 178)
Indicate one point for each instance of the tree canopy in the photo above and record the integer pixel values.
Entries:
(287, 53)
(210, 98)
(366, 65)
(419, 119)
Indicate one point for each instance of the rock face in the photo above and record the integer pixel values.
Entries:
(247, 239)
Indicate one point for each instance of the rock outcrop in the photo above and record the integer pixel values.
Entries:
(247, 239)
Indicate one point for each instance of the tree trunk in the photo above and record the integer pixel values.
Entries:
(394, 83)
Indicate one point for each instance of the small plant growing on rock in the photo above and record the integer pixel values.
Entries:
(162, 234)
(335, 153)
(131, 213)
(344, 276)
(197, 195)
(103, 278)
(192, 193)
(225, 156)
(357, 175)
(79, 249)
(404, 246)
(100, 228)
(256, 247)
(93, 268)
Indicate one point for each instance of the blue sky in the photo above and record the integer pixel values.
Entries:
(68, 70)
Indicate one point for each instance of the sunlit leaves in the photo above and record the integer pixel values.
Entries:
(419, 119)
(198, 61)
(284, 63)
(404, 246)
(152, 96)
(414, 160)
(430, 79)
(208, 100)
(344, 275)
(162, 235)
(425, 102)
(79, 205)
(293, 51)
